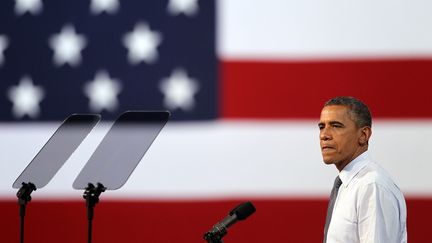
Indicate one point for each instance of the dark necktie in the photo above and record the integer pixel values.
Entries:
(333, 195)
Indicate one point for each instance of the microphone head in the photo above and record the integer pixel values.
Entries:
(243, 210)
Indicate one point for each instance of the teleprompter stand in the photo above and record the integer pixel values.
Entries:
(91, 195)
(24, 197)
(51, 158)
(117, 155)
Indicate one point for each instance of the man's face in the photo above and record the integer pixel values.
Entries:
(340, 139)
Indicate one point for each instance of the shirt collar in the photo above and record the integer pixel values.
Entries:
(354, 167)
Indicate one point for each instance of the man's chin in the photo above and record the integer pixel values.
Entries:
(328, 161)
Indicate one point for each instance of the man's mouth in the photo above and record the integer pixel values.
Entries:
(326, 148)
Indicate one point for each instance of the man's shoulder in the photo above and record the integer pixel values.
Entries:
(374, 175)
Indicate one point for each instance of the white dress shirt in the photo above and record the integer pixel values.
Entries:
(369, 206)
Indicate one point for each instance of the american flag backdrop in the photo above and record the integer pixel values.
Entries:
(244, 81)
(105, 57)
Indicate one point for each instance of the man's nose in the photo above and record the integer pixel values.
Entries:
(325, 134)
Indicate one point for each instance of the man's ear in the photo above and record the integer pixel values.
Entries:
(365, 134)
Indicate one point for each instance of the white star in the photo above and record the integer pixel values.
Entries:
(26, 98)
(109, 6)
(67, 46)
(187, 7)
(3, 45)
(102, 92)
(141, 44)
(179, 90)
(31, 6)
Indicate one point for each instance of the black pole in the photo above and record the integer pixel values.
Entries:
(91, 195)
(89, 231)
(22, 214)
(24, 197)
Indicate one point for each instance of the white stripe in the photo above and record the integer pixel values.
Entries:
(288, 29)
(228, 159)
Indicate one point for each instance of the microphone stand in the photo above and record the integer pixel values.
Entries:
(215, 237)
(91, 195)
(24, 197)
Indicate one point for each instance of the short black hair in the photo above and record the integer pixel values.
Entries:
(361, 114)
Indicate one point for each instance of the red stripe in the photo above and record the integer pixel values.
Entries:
(296, 220)
(391, 88)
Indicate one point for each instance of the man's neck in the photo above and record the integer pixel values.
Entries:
(341, 165)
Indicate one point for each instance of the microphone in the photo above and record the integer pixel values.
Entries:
(219, 230)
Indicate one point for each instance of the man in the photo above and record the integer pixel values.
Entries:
(365, 204)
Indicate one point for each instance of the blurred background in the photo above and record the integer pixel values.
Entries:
(245, 82)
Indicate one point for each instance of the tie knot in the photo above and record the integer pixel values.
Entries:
(337, 182)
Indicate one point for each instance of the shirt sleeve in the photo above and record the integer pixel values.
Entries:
(378, 215)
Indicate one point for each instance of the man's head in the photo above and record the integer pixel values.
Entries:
(345, 128)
